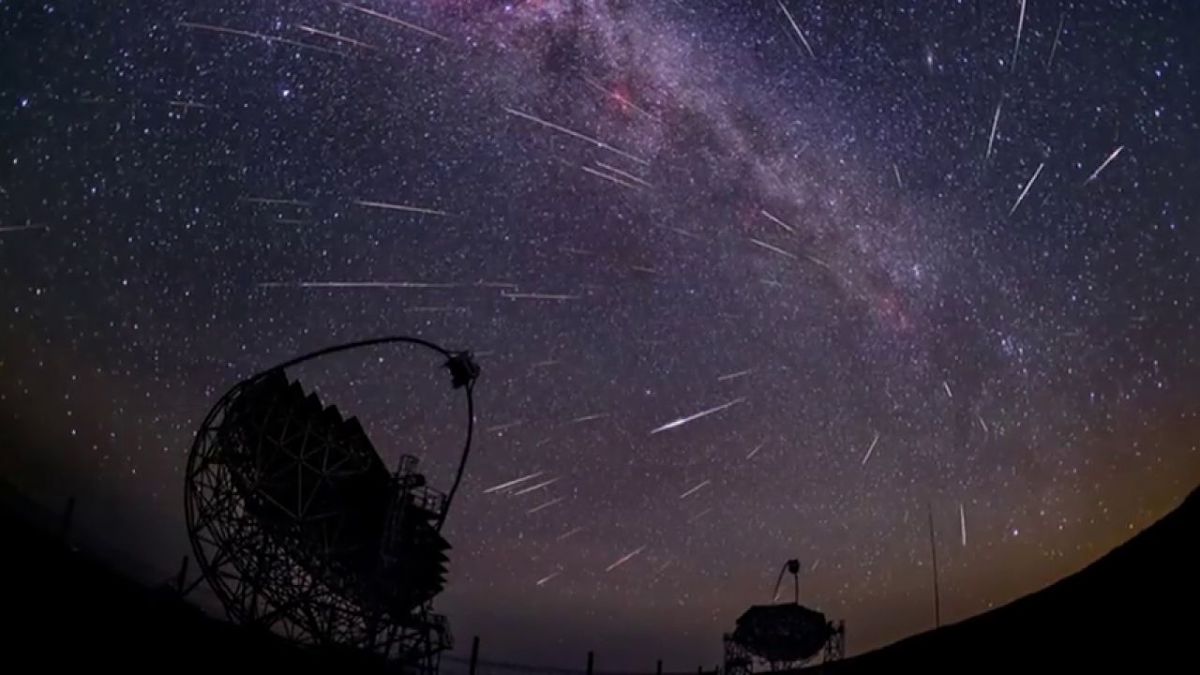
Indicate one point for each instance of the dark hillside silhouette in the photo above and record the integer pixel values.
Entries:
(1135, 608)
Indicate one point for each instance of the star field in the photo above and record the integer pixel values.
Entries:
(747, 281)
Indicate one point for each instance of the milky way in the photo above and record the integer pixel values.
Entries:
(747, 280)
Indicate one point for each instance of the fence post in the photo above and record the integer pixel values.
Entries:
(658, 669)
(591, 658)
(474, 655)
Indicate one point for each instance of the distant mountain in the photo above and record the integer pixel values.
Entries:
(1137, 608)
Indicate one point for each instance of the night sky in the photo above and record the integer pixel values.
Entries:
(906, 257)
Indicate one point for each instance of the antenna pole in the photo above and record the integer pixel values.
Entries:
(937, 602)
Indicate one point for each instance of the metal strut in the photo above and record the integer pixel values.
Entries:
(792, 566)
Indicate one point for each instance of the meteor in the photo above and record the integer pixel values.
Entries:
(675, 424)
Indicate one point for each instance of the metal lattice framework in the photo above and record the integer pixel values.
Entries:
(300, 529)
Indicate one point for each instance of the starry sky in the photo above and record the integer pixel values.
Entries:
(747, 281)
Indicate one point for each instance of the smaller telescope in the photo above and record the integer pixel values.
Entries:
(782, 636)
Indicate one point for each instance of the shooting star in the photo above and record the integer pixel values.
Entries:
(589, 418)
(867, 457)
(899, 183)
(292, 221)
(796, 27)
(698, 516)
(495, 284)
(21, 228)
(734, 376)
(1026, 190)
(962, 523)
(992, 136)
(256, 36)
(539, 486)
(625, 558)
(503, 427)
(777, 221)
(624, 174)
(1017, 45)
(755, 451)
(946, 386)
(773, 249)
(445, 309)
(982, 423)
(276, 202)
(514, 482)
(815, 565)
(682, 232)
(543, 506)
(619, 98)
(1104, 164)
(192, 104)
(547, 578)
(544, 364)
(570, 533)
(575, 134)
(334, 36)
(400, 207)
(675, 424)
(611, 179)
(394, 20)
(694, 489)
(356, 284)
(1057, 35)
(559, 297)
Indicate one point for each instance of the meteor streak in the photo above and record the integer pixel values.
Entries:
(773, 249)
(867, 457)
(611, 179)
(796, 27)
(575, 134)
(734, 376)
(400, 207)
(1017, 45)
(277, 202)
(394, 20)
(992, 136)
(534, 488)
(334, 36)
(513, 482)
(675, 424)
(539, 296)
(777, 221)
(694, 489)
(624, 174)
(544, 505)
(1104, 164)
(22, 228)
(1026, 190)
(625, 558)
(256, 36)
(356, 284)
